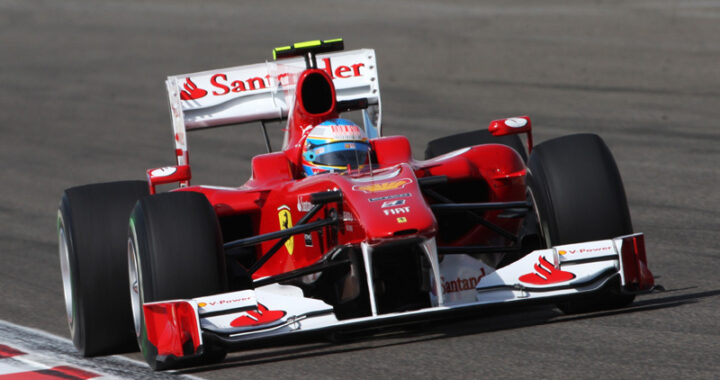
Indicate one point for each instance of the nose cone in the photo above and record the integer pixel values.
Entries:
(399, 222)
(391, 206)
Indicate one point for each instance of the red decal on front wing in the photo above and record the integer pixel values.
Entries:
(545, 274)
(260, 316)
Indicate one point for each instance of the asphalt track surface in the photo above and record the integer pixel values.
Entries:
(40, 351)
(82, 100)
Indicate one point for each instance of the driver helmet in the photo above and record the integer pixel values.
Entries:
(334, 146)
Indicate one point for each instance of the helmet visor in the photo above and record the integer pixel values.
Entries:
(341, 154)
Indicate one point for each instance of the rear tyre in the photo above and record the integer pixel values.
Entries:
(450, 143)
(579, 196)
(174, 251)
(92, 233)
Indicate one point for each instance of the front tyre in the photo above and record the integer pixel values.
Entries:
(92, 231)
(174, 251)
(579, 196)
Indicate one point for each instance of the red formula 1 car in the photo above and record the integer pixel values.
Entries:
(340, 229)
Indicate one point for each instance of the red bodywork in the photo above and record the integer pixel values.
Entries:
(277, 194)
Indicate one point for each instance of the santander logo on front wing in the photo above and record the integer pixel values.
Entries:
(545, 274)
(257, 317)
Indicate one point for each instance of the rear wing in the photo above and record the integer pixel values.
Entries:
(263, 91)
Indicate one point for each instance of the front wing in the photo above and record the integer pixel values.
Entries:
(179, 328)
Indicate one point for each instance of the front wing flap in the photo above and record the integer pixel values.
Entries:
(570, 269)
(275, 310)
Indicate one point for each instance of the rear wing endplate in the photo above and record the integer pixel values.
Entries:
(259, 92)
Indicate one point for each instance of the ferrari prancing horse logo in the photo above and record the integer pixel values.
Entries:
(286, 222)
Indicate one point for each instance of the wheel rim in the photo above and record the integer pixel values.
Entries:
(134, 275)
(66, 274)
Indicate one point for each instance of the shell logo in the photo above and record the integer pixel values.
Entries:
(382, 186)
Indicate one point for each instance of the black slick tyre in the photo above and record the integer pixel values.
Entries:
(450, 143)
(579, 196)
(174, 251)
(92, 236)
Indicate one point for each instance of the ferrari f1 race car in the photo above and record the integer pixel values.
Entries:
(341, 228)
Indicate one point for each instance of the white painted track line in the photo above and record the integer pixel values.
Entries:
(44, 350)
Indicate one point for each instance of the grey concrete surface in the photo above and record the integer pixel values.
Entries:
(82, 100)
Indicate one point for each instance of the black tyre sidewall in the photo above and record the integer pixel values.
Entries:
(578, 190)
(94, 218)
(179, 253)
(579, 196)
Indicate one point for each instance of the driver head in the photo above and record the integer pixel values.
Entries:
(333, 146)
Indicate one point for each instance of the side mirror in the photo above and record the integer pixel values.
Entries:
(511, 126)
(168, 174)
